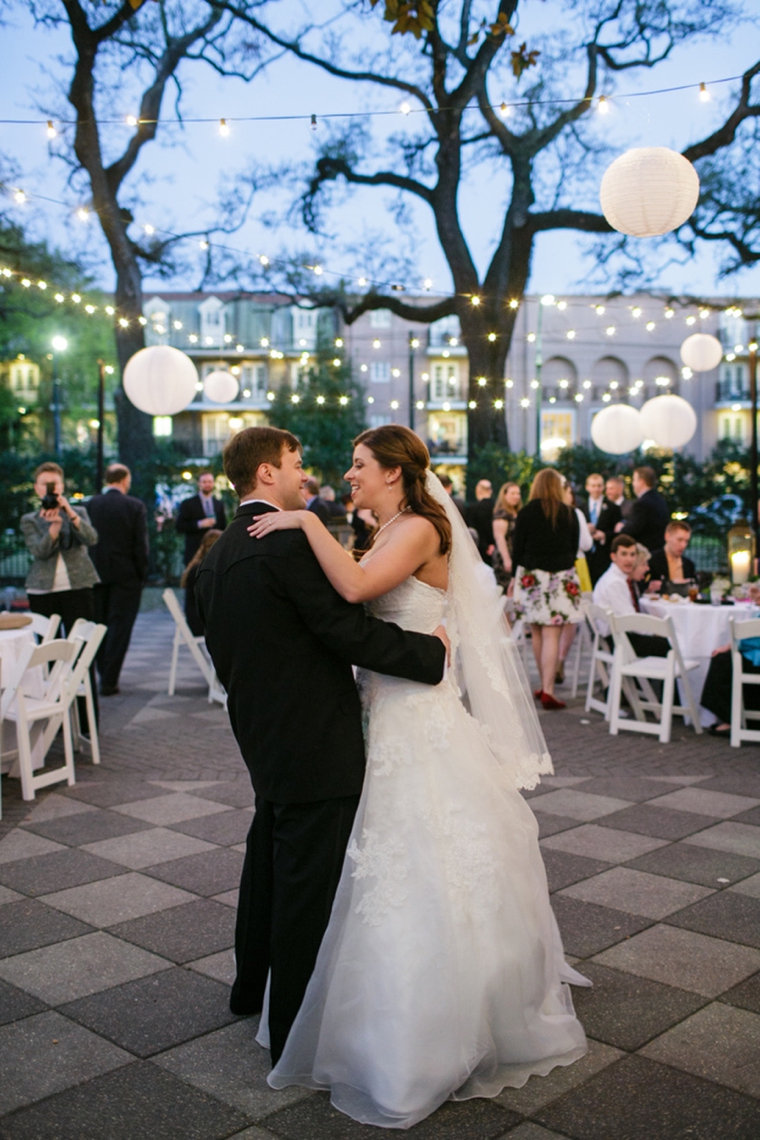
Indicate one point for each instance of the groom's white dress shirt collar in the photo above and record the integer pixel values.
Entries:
(247, 501)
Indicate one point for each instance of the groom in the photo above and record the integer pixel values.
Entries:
(283, 642)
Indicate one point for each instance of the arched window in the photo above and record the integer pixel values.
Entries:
(660, 376)
(559, 378)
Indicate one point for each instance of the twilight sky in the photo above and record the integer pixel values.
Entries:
(186, 170)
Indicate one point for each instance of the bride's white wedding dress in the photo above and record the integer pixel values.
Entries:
(441, 974)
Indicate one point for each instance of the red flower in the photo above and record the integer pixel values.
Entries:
(527, 581)
(571, 589)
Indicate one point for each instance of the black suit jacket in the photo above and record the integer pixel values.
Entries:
(598, 558)
(658, 566)
(121, 553)
(647, 521)
(189, 515)
(320, 508)
(479, 515)
(283, 641)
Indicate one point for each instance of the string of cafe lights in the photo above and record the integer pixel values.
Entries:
(505, 107)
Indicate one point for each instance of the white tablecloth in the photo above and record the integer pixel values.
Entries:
(13, 642)
(700, 630)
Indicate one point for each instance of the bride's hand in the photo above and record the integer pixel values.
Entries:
(275, 520)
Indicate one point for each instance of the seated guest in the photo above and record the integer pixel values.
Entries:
(190, 577)
(716, 693)
(671, 564)
(616, 591)
(640, 572)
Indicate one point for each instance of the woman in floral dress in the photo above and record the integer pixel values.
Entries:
(547, 592)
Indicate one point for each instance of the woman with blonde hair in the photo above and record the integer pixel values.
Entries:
(547, 592)
(508, 503)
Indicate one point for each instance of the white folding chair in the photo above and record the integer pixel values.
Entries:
(600, 666)
(45, 628)
(739, 715)
(197, 646)
(88, 635)
(627, 666)
(519, 633)
(56, 659)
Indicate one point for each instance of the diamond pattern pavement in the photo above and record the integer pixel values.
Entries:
(117, 915)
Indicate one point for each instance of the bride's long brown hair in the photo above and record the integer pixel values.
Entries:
(394, 445)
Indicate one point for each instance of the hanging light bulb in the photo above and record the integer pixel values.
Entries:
(313, 123)
(514, 303)
(704, 94)
(51, 131)
(203, 243)
(475, 300)
(427, 283)
(83, 213)
(224, 128)
(131, 121)
(603, 105)
(343, 401)
(318, 270)
(263, 259)
(19, 197)
(149, 229)
(362, 282)
(492, 337)
(405, 108)
(504, 110)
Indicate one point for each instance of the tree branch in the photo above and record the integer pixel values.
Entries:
(727, 133)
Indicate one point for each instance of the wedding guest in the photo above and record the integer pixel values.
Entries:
(615, 491)
(617, 592)
(448, 487)
(314, 502)
(199, 513)
(546, 591)
(716, 693)
(479, 516)
(336, 510)
(190, 577)
(585, 544)
(602, 517)
(671, 564)
(649, 514)
(508, 504)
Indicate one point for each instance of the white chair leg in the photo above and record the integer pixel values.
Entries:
(90, 705)
(614, 699)
(173, 669)
(24, 753)
(666, 713)
(737, 708)
(68, 750)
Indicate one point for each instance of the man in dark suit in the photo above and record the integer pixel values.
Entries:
(479, 516)
(614, 489)
(121, 560)
(649, 515)
(315, 502)
(199, 513)
(602, 516)
(283, 642)
(671, 564)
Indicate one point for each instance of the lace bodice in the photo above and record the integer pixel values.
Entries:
(413, 605)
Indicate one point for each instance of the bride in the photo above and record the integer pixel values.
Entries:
(441, 974)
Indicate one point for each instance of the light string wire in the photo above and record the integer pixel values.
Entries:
(406, 109)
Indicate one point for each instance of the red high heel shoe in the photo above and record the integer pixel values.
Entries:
(550, 702)
(538, 693)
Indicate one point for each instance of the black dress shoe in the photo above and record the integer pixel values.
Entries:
(109, 690)
(244, 1008)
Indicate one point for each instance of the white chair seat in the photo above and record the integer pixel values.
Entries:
(656, 668)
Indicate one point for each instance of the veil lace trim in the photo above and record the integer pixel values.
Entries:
(487, 665)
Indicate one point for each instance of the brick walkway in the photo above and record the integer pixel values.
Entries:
(116, 922)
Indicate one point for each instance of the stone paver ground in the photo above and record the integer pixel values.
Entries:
(116, 924)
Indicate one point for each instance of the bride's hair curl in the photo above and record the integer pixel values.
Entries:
(394, 445)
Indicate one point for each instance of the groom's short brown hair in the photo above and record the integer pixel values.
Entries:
(249, 448)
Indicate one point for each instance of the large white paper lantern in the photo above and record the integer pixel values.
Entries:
(701, 352)
(669, 420)
(617, 429)
(220, 387)
(160, 380)
(649, 191)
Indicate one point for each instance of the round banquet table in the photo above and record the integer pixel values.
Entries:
(700, 630)
(13, 642)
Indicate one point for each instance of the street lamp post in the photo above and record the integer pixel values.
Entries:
(753, 438)
(546, 300)
(101, 413)
(59, 344)
(413, 343)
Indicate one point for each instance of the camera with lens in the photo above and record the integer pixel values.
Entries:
(50, 500)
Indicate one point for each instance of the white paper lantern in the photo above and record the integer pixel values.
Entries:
(617, 429)
(649, 191)
(669, 420)
(160, 380)
(220, 387)
(701, 352)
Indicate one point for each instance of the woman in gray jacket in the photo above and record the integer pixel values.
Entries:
(61, 577)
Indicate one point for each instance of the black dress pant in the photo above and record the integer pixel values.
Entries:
(116, 606)
(293, 862)
(716, 693)
(70, 605)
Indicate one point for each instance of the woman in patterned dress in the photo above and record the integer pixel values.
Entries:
(508, 503)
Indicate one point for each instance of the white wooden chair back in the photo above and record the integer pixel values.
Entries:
(600, 665)
(45, 628)
(741, 631)
(184, 635)
(84, 632)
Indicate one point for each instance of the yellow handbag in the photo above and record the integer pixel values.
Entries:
(581, 569)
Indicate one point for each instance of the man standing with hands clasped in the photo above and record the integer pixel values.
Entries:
(199, 513)
(121, 559)
(283, 641)
(602, 517)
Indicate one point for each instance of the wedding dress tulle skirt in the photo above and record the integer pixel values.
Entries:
(441, 974)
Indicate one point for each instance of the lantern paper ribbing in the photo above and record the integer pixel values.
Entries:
(701, 352)
(220, 387)
(617, 429)
(649, 191)
(669, 420)
(160, 380)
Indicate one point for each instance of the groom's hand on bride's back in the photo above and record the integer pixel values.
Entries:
(440, 633)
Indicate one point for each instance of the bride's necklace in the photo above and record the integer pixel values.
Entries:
(396, 516)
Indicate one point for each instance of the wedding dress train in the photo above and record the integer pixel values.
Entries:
(441, 974)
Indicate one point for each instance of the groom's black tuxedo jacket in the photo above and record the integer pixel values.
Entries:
(283, 641)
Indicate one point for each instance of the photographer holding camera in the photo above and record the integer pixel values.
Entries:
(61, 577)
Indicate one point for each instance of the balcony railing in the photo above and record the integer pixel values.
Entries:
(727, 391)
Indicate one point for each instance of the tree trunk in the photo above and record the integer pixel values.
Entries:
(135, 428)
(487, 358)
